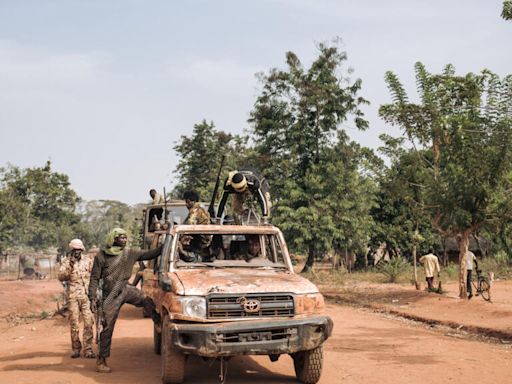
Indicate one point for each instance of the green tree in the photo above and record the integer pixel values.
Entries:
(99, 217)
(200, 158)
(506, 13)
(38, 206)
(465, 122)
(296, 128)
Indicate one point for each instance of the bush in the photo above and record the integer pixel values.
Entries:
(393, 269)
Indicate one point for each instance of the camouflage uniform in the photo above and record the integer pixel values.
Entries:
(78, 273)
(197, 215)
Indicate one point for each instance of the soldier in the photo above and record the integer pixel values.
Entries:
(196, 215)
(245, 184)
(113, 265)
(76, 270)
(157, 198)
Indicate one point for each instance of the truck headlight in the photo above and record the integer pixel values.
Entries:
(193, 306)
(309, 303)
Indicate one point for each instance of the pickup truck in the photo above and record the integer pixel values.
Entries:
(239, 296)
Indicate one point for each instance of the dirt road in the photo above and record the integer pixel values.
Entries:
(365, 348)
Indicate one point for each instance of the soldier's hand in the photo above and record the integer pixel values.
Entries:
(93, 307)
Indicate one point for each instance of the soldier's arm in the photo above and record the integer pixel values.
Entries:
(95, 279)
(140, 255)
(65, 270)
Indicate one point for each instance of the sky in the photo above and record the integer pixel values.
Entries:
(105, 89)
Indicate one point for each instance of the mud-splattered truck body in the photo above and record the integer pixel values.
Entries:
(221, 303)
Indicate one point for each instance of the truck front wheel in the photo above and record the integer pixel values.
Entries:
(308, 365)
(173, 363)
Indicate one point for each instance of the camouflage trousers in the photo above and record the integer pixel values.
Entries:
(130, 295)
(77, 305)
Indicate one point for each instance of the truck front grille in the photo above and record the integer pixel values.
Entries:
(258, 305)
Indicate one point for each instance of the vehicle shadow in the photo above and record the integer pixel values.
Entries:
(134, 361)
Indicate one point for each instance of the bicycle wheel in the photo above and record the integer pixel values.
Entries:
(485, 289)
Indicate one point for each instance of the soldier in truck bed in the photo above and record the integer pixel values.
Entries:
(113, 265)
(196, 215)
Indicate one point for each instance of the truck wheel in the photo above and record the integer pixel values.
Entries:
(173, 363)
(157, 340)
(308, 365)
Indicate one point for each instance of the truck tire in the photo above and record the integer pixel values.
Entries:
(308, 365)
(157, 340)
(173, 362)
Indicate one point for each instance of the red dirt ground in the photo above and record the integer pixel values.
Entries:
(366, 347)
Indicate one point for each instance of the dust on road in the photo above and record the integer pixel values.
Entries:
(365, 348)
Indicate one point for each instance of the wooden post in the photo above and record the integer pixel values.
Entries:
(416, 284)
(19, 266)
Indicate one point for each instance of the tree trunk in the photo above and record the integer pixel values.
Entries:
(366, 258)
(310, 261)
(348, 261)
(463, 240)
(335, 264)
(445, 253)
(416, 284)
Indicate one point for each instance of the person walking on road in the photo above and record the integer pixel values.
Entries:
(470, 260)
(113, 266)
(76, 271)
(430, 263)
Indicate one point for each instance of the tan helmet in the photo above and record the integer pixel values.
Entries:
(237, 181)
(76, 244)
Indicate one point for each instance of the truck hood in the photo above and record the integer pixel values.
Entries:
(241, 280)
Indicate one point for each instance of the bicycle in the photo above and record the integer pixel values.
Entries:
(482, 286)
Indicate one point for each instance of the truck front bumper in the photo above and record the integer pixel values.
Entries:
(258, 337)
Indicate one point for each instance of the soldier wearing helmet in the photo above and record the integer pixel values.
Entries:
(76, 270)
(245, 184)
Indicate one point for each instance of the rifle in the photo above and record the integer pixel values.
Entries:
(99, 311)
(211, 208)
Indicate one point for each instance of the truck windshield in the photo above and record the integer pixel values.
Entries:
(229, 250)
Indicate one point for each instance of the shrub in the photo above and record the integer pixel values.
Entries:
(393, 269)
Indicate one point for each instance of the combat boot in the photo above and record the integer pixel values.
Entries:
(89, 354)
(101, 365)
(75, 354)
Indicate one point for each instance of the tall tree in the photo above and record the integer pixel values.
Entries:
(296, 124)
(465, 121)
(39, 206)
(200, 157)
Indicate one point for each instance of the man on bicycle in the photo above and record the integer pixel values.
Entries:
(470, 259)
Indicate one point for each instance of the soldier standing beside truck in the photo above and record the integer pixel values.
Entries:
(113, 265)
(76, 270)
